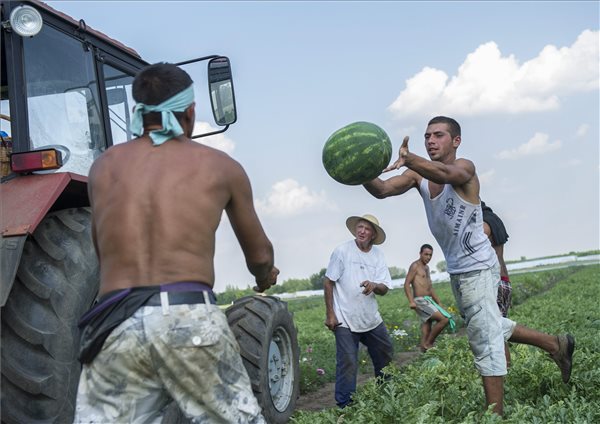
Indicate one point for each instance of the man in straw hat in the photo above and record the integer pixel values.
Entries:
(356, 273)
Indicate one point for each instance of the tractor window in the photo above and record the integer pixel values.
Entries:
(4, 102)
(5, 130)
(62, 98)
(120, 103)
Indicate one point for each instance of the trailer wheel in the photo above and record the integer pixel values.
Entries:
(57, 281)
(265, 331)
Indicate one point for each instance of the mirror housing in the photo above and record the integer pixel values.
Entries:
(220, 86)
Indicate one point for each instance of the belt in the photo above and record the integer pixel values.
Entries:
(181, 298)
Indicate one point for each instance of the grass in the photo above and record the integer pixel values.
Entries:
(443, 386)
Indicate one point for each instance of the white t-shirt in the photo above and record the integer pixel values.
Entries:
(348, 268)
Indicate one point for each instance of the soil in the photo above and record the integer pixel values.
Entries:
(324, 397)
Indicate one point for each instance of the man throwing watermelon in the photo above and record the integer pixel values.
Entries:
(450, 191)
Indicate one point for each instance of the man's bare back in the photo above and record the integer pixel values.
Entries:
(156, 210)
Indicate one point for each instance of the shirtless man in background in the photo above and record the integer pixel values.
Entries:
(423, 299)
(156, 335)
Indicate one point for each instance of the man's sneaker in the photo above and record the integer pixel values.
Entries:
(564, 356)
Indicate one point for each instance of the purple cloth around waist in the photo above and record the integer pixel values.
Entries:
(115, 296)
(185, 286)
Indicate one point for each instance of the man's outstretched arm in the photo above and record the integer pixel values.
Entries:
(394, 186)
(257, 248)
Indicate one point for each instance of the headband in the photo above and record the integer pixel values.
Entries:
(170, 125)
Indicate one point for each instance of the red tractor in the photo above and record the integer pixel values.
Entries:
(65, 97)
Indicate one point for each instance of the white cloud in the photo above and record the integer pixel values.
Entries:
(488, 82)
(217, 141)
(288, 198)
(583, 130)
(537, 145)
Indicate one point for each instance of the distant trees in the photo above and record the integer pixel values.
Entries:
(316, 280)
(232, 293)
(441, 266)
(291, 285)
(396, 272)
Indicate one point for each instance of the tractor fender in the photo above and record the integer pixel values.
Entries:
(26, 200)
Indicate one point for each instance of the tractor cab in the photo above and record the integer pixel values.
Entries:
(66, 89)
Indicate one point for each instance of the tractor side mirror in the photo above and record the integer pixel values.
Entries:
(220, 85)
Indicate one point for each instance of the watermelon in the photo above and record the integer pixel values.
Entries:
(357, 153)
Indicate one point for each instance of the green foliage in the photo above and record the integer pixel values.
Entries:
(316, 280)
(401, 321)
(396, 272)
(441, 266)
(442, 386)
(288, 286)
(291, 286)
(233, 293)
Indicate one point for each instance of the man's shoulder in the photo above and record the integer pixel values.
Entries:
(463, 162)
(416, 265)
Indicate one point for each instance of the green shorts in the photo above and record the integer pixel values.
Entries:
(182, 353)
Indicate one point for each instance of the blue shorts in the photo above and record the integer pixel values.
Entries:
(475, 293)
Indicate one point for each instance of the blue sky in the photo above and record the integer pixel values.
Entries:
(522, 78)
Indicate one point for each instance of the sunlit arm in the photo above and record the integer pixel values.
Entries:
(328, 294)
(394, 186)
(381, 289)
(457, 173)
(330, 319)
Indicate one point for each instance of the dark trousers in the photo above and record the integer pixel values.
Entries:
(381, 351)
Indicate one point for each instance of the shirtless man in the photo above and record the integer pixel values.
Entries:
(449, 187)
(155, 334)
(421, 296)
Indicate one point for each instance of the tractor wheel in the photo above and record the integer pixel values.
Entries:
(265, 331)
(57, 281)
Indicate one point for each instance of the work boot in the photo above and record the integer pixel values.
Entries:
(564, 356)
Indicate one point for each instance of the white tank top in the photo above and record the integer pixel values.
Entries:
(457, 226)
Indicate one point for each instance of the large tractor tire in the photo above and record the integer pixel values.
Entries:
(268, 341)
(57, 281)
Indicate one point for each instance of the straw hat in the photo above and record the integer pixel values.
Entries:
(353, 220)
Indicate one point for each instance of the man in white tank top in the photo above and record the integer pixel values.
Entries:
(450, 191)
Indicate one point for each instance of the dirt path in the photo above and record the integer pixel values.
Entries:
(323, 398)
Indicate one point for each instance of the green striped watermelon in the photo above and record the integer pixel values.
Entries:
(357, 153)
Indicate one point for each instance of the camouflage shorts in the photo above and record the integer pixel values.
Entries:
(185, 353)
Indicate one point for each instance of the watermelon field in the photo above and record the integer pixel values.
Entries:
(442, 386)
